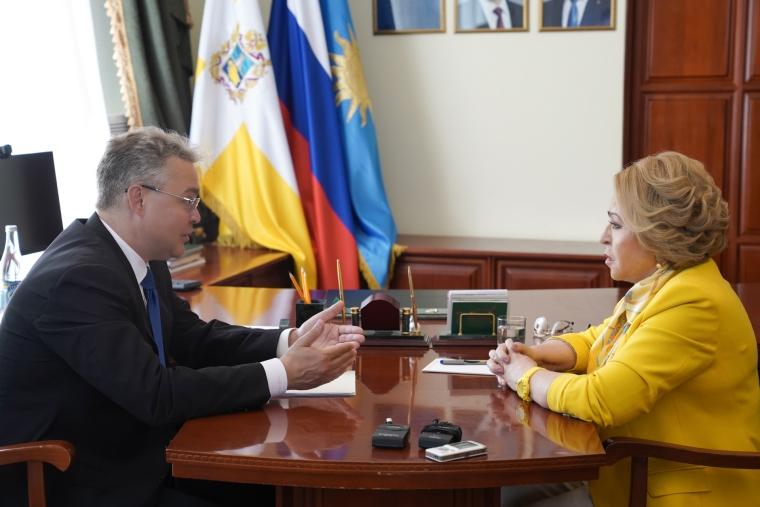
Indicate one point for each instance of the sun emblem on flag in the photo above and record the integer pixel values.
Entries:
(240, 63)
(349, 78)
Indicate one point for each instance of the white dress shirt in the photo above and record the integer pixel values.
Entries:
(277, 377)
(489, 5)
(580, 5)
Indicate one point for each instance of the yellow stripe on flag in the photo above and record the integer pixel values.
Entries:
(199, 68)
(256, 204)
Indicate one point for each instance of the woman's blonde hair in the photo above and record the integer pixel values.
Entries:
(674, 207)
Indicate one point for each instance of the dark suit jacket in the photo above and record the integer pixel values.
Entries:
(597, 13)
(78, 362)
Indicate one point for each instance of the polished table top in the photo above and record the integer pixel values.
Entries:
(327, 442)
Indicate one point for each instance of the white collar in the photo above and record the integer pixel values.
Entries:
(139, 266)
(488, 6)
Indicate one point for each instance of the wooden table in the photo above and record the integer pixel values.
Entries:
(318, 451)
(324, 456)
(243, 267)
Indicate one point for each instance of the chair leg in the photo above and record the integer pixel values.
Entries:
(638, 497)
(36, 483)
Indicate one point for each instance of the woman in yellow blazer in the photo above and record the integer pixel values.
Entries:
(677, 360)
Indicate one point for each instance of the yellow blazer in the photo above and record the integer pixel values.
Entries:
(687, 374)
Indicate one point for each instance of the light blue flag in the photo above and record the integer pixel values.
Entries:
(376, 232)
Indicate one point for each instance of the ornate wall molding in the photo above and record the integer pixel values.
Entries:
(121, 56)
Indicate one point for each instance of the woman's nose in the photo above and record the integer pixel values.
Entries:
(605, 235)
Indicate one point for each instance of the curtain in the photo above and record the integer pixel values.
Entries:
(152, 51)
(154, 60)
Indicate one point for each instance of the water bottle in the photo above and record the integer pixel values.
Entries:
(11, 262)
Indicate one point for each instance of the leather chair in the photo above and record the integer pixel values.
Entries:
(58, 453)
(640, 450)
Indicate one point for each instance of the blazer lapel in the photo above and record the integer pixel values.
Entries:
(95, 226)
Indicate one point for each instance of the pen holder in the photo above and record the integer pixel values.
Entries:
(304, 311)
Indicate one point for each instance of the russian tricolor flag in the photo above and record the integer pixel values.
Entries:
(328, 121)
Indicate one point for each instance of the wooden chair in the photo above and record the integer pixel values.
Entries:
(55, 452)
(640, 450)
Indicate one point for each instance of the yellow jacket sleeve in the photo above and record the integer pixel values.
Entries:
(672, 340)
(581, 344)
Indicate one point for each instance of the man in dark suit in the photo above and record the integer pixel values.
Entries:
(89, 356)
(489, 14)
(588, 13)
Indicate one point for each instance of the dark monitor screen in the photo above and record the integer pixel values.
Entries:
(29, 199)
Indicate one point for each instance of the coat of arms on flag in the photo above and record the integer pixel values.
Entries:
(240, 63)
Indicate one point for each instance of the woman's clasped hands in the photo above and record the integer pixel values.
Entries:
(509, 361)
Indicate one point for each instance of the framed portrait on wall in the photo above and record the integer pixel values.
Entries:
(577, 15)
(408, 16)
(491, 16)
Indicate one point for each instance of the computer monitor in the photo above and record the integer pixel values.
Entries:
(29, 199)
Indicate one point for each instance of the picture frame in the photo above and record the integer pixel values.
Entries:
(392, 17)
(557, 15)
(477, 16)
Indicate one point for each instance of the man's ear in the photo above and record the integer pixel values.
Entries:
(135, 199)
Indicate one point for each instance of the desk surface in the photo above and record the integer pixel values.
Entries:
(326, 442)
(265, 307)
(227, 265)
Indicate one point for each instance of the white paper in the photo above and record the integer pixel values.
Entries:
(344, 385)
(460, 369)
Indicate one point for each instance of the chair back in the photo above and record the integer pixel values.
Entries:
(35, 454)
(640, 450)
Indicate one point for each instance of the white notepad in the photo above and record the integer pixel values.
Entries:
(460, 369)
(344, 385)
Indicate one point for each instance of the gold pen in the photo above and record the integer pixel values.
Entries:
(340, 290)
(415, 326)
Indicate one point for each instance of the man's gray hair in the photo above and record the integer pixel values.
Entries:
(139, 156)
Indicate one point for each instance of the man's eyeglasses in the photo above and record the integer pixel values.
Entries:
(192, 202)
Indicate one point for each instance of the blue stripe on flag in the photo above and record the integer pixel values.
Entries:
(376, 231)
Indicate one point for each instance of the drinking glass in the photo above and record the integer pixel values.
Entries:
(510, 327)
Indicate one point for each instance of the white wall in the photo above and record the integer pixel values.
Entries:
(495, 134)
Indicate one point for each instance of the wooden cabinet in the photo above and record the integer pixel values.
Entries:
(479, 263)
(442, 272)
(692, 83)
(551, 274)
(749, 263)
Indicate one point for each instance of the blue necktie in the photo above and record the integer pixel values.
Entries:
(154, 313)
(572, 18)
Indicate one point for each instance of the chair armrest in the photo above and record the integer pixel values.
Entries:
(58, 453)
(622, 447)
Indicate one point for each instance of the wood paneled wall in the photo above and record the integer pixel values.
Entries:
(693, 85)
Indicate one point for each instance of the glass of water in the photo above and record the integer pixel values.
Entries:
(510, 327)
